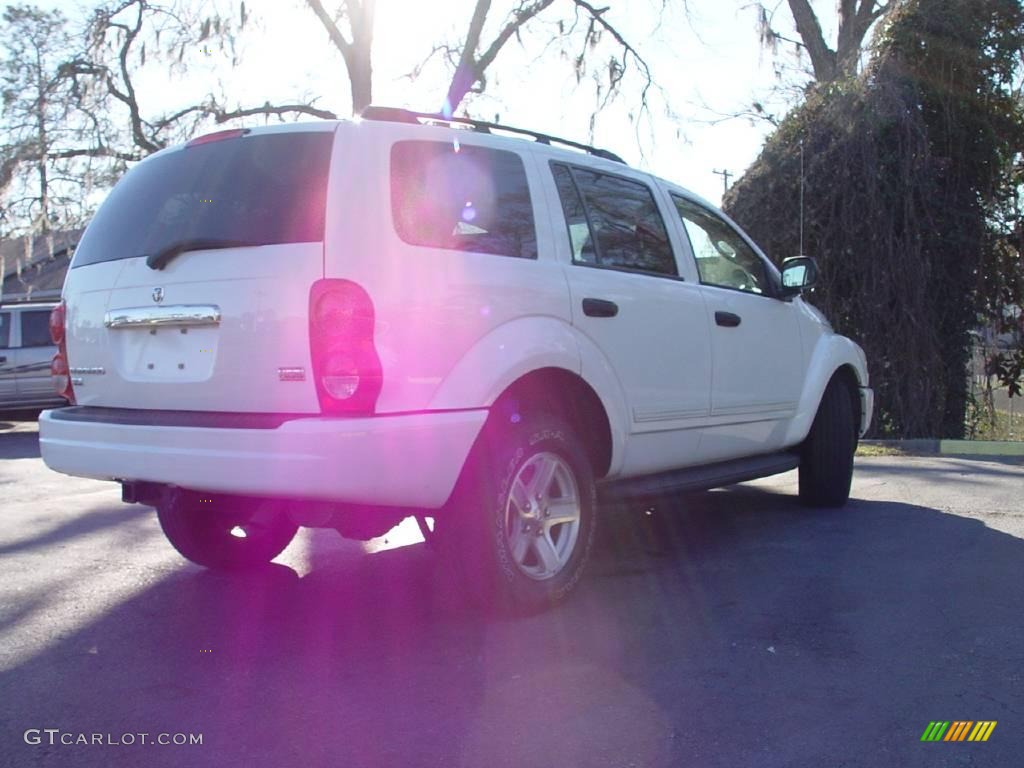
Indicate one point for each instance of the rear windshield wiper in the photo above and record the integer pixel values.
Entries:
(161, 258)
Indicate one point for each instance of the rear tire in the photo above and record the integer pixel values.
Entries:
(222, 532)
(519, 528)
(826, 457)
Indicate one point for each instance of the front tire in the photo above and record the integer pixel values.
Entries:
(520, 526)
(224, 532)
(826, 457)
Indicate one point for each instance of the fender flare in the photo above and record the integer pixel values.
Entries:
(522, 346)
(831, 352)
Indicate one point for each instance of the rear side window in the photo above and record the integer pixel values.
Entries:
(35, 329)
(260, 190)
(613, 222)
(5, 330)
(463, 198)
(580, 239)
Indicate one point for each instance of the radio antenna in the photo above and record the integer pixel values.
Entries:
(801, 197)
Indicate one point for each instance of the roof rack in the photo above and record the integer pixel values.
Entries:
(399, 115)
(48, 296)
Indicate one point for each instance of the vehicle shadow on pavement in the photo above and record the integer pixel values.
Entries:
(10, 419)
(726, 628)
(19, 445)
(76, 526)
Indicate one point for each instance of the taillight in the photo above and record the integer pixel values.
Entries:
(346, 366)
(57, 324)
(59, 370)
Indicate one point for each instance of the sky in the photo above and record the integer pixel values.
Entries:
(706, 62)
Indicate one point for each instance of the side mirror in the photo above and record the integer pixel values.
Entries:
(798, 273)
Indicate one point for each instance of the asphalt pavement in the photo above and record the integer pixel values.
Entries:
(729, 628)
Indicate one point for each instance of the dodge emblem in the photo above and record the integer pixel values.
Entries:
(158, 295)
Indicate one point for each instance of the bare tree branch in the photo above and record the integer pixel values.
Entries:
(10, 162)
(472, 67)
(522, 15)
(343, 45)
(222, 116)
(65, 154)
(104, 20)
(474, 59)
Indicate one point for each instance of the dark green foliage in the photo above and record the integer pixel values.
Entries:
(905, 167)
(1001, 282)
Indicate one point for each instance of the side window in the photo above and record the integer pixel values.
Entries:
(583, 250)
(723, 258)
(616, 223)
(35, 329)
(5, 330)
(462, 197)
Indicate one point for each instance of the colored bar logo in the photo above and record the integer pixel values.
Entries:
(958, 730)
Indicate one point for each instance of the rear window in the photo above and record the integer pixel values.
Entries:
(464, 198)
(263, 189)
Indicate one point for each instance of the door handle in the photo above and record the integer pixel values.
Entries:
(600, 308)
(727, 319)
(3, 359)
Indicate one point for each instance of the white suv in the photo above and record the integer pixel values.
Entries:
(344, 324)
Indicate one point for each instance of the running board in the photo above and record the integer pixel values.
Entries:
(699, 478)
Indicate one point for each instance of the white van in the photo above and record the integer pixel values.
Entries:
(25, 354)
(343, 324)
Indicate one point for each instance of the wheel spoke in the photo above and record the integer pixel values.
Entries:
(519, 544)
(520, 497)
(540, 484)
(547, 554)
(562, 511)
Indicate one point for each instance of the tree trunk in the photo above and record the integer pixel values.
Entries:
(357, 53)
(360, 78)
(466, 72)
(359, 59)
(855, 19)
(823, 58)
(464, 78)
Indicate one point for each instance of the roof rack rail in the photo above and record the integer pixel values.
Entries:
(399, 115)
(48, 296)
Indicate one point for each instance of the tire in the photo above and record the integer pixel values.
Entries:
(508, 549)
(826, 456)
(208, 529)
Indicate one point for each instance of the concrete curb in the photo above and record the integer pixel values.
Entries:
(982, 447)
(953, 447)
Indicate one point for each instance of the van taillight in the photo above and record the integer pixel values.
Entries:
(59, 370)
(57, 324)
(346, 366)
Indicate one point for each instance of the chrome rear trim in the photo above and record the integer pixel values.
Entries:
(176, 315)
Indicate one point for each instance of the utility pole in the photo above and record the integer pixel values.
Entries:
(726, 175)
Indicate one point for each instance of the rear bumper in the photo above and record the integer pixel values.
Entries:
(410, 460)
